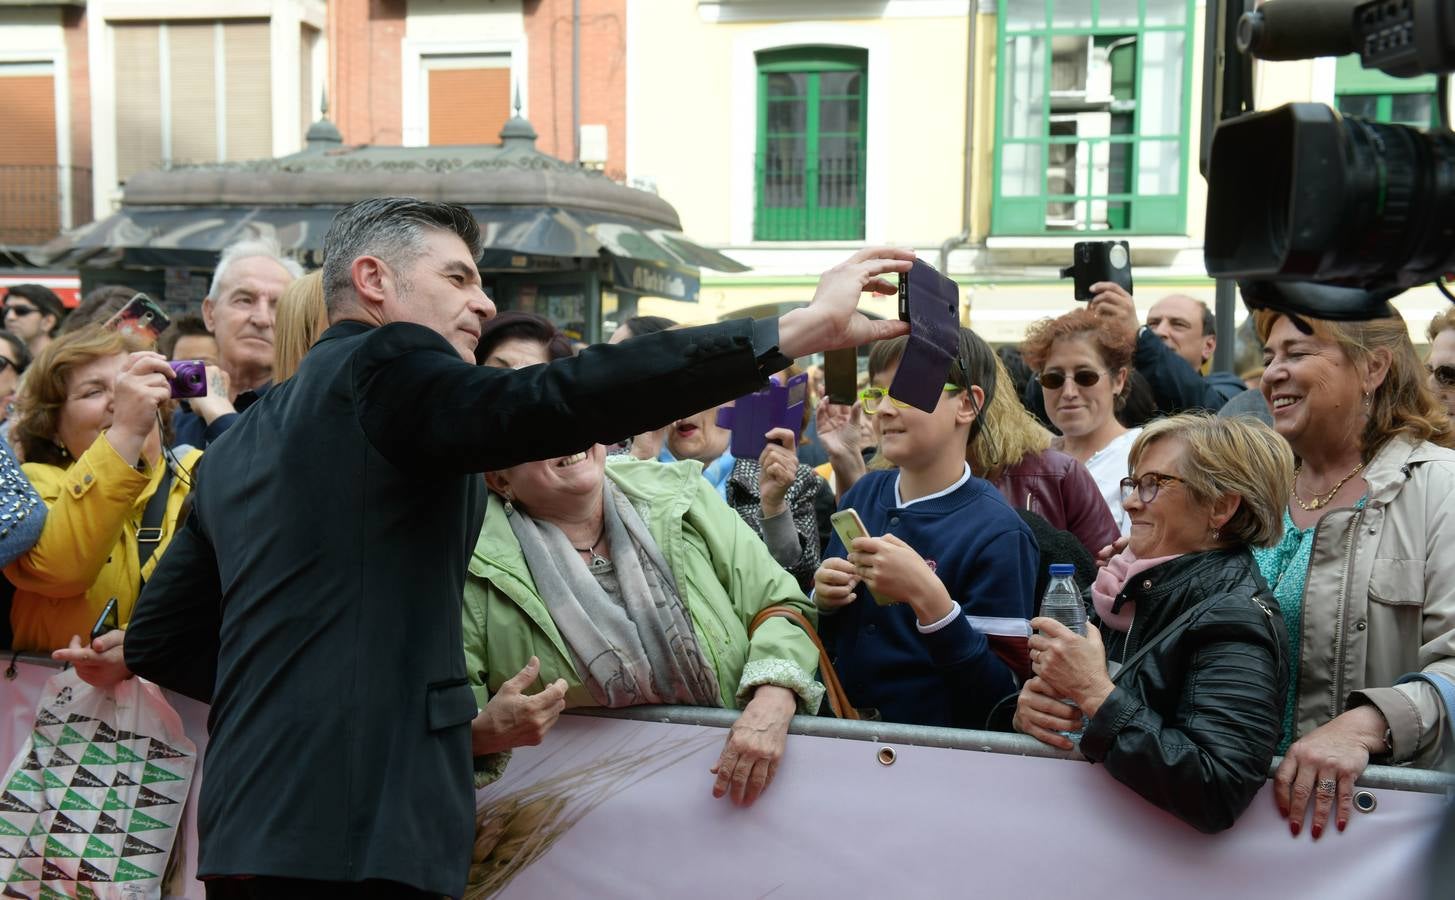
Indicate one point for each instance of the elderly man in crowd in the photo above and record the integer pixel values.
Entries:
(238, 310)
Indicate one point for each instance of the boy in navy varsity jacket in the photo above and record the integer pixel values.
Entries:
(946, 546)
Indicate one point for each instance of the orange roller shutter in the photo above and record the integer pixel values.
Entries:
(468, 106)
(31, 211)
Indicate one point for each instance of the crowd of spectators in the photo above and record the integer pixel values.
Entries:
(1253, 591)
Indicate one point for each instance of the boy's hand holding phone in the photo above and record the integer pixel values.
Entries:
(834, 583)
(778, 467)
(897, 574)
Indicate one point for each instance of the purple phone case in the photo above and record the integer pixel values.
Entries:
(930, 303)
(751, 417)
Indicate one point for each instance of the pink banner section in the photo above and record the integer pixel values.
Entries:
(620, 808)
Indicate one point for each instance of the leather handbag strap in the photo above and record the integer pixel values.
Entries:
(149, 535)
(833, 689)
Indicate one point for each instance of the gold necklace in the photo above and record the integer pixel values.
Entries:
(1321, 500)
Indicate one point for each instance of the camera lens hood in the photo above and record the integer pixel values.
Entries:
(1319, 301)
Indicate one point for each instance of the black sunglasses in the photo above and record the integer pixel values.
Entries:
(1443, 374)
(17, 310)
(1054, 381)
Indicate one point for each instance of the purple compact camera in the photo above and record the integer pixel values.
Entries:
(189, 379)
(753, 416)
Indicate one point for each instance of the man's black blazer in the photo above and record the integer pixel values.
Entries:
(313, 595)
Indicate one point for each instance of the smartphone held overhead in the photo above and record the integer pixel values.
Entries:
(930, 303)
(1098, 261)
(140, 319)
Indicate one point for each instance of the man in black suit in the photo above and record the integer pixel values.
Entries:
(313, 596)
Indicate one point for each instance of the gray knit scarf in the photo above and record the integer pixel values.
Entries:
(639, 648)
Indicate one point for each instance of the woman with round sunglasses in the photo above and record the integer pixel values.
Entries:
(14, 359)
(1187, 714)
(1083, 367)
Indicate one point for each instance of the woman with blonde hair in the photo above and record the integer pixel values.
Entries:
(298, 322)
(1190, 718)
(1365, 572)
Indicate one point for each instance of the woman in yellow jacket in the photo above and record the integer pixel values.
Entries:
(91, 435)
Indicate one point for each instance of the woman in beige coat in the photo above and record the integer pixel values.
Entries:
(1365, 573)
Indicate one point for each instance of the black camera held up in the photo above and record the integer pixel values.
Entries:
(1095, 261)
(1303, 194)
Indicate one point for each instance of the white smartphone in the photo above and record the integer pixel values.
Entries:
(848, 525)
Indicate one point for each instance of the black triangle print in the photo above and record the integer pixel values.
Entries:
(73, 718)
(122, 779)
(124, 735)
(14, 892)
(92, 874)
(52, 872)
(32, 762)
(107, 825)
(46, 717)
(135, 846)
(148, 797)
(64, 824)
(103, 734)
(158, 750)
(27, 849)
(11, 803)
(6, 854)
(86, 778)
(59, 758)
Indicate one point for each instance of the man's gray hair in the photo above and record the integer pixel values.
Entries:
(247, 249)
(392, 229)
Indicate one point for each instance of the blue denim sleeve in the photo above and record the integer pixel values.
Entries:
(22, 514)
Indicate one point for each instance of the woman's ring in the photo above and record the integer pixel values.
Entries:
(1327, 785)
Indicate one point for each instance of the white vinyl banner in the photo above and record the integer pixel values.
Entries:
(617, 808)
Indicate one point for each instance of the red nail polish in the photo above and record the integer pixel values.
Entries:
(1316, 831)
(1293, 828)
(1341, 823)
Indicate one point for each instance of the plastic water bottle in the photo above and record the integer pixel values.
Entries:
(1062, 602)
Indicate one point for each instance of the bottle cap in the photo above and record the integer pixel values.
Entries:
(1062, 570)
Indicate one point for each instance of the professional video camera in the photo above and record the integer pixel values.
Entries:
(1302, 194)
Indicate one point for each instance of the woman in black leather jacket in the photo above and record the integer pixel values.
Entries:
(1191, 710)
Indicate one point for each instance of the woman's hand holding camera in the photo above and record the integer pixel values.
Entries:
(218, 401)
(144, 384)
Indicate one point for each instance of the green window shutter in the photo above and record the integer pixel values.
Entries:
(811, 134)
(1092, 116)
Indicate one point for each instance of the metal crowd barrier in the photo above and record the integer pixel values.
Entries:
(1400, 778)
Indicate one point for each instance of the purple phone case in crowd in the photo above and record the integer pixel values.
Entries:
(930, 303)
(751, 417)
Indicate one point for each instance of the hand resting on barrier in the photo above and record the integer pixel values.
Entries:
(755, 745)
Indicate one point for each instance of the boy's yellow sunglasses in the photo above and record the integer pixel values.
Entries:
(872, 398)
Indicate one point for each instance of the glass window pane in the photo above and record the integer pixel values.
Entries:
(783, 173)
(1161, 100)
(1021, 170)
(1025, 13)
(1166, 12)
(840, 116)
(1119, 12)
(787, 115)
(1159, 167)
(1363, 106)
(1412, 109)
(839, 84)
(1071, 13)
(1023, 79)
(788, 84)
(838, 172)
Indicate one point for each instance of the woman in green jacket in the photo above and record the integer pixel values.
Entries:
(630, 584)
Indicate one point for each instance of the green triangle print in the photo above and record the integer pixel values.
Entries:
(39, 826)
(95, 757)
(41, 740)
(128, 871)
(98, 849)
(74, 800)
(69, 735)
(124, 754)
(82, 891)
(52, 780)
(154, 774)
(113, 802)
(54, 849)
(140, 821)
(20, 875)
(49, 893)
(23, 783)
(9, 828)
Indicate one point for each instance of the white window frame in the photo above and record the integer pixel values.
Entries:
(743, 132)
(418, 57)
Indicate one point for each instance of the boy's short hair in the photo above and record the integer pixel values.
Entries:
(190, 325)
